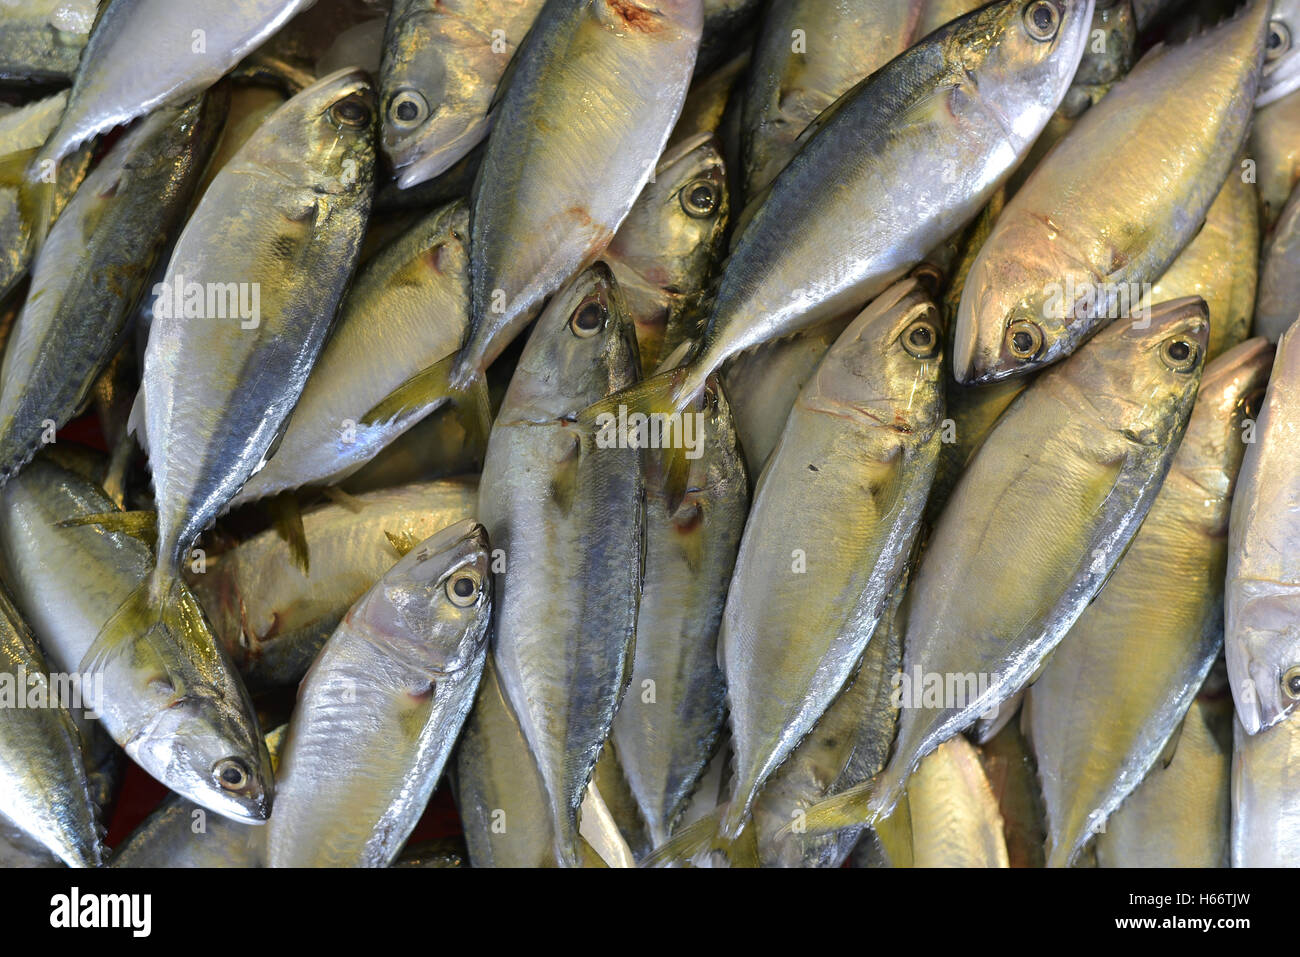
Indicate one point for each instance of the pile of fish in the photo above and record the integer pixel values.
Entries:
(696, 432)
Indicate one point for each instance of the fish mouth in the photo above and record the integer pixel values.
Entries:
(418, 162)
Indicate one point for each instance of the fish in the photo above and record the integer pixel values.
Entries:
(1084, 461)
(1260, 640)
(1008, 761)
(925, 137)
(223, 370)
(1273, 156)
(727, 25)
(407, 310)
(41, 40)
(954, 815)
(189, 45)
(381, 707)
(272, 618)
(1180, 815)
(23, 212)
(179, 833)
(566, 612)
(833, 520)
(1220, 265)
(1082, 232)
(582, 121)
(92, 269)
(808, 54)
(1265, 792)
(176, 706)
(1278, 302)
(44, 793)
(669, 723)
(443, 62)
(849, 744)
(1141, 651)
(765, 382)
(665, 254)
(1281, 74)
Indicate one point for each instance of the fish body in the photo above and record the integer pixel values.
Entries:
(1278, 304)
(41, 40)
(1122, 679)
(589, 107)
(91, 270)
(955, 817)
(1084, 232)
(44, 794)
(272, 617)
(408, 309)
(381, 707)
(832, 523)
(190, 44)
(1266, 795)
(566, 611)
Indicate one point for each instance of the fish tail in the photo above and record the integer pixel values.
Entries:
(849, 808)
(429, 388)
(702, 837)
(286, 515)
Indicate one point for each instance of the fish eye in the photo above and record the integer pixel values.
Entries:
(408, 108)
(588, 319)
(920, 339)
(1179, 354)
(352, 112)
(1024, 340)
(1291, 683)
(231, 774)
(1279, 40)
(1042, 19)
(463, 587)
(700, 198)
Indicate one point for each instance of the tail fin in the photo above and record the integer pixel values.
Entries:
(286, 515)
(164, 617)
(139, 525)
(850, 808)
(426, 390)
(701, 837)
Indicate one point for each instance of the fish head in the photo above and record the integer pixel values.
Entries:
(1021, 56)
(431, 610)
(674, 232)
(1263, 655)
(323, 137)
(436, 90)
(1231, 391)
(205, 750)
(1281, 72)
(887, 364)
(582, 348)
(1140, 377)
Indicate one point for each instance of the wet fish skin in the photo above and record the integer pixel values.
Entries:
(443, 62)
(272, 618)
(92, 268)
(1180, 815)
(42, 40)
(820, 243)
(110, 89)
(1220, 265)
(1008, 761)
(1260, 639)
(1278, 302)
(43, 789)
(296, 196)
(381, 707)
(1120, 682)
(569, 156)
(1265, 789)
(847, 746)
(565, 613)
(1085, 462)
(845, 489)
(184, 729)
(955, 817)
(1082, 221)
(665, 254)
(408, 308)
(668, 725)
(1274, 147)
